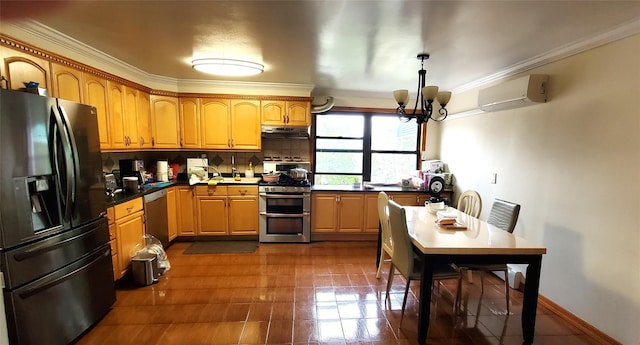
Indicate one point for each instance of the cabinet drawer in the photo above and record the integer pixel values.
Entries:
(127, 208)
(242, 190)
(211, 190)
(111, 215)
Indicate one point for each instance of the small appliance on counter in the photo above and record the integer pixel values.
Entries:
(131, 168)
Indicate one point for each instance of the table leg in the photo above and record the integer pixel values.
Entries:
(530, 300)
(426, 282)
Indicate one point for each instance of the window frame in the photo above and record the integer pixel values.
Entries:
(367, 151)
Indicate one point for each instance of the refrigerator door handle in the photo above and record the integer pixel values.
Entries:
(43, 248)
(74, 153)
(67, 198)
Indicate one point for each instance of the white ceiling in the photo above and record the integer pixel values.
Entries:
(336, 46)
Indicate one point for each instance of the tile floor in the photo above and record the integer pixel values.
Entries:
(319, 293)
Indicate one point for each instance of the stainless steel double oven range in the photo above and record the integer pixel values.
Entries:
(285, 210)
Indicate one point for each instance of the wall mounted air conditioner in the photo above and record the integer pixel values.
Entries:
(515, 93)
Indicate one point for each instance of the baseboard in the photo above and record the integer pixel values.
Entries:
(577, 322)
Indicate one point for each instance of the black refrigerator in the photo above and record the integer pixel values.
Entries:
(54, 237)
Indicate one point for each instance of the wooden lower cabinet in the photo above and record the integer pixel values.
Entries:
(227, 210)
(212, 215)
(185, 200)
(371, 219)
(111, 217)
(243, 210)
(129, 229)
(354, 212)
(172, 213)
(337, 212)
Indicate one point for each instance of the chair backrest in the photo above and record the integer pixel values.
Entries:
(504, 215)
(402, 256)
(383, 215)
(470, 203)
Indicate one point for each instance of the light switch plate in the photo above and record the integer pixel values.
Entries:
(494, 178)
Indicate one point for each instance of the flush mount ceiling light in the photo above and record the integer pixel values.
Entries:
(427, 95)
(227, 67)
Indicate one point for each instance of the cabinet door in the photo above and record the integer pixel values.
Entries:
(20, 68)
(144, 119)
(351, 212)
(324, 212)
(189, 123)
(67, 83)
(116, 115)
(130, 230)
(172, 213)
(272, 112)
(298, 113)
(95, 94)
(131, 118)
(371, 219)
(405, 199)
(216, 127)
(245, 125)
(165, 122)
(243, 215)
(212, 215)
(186, 214)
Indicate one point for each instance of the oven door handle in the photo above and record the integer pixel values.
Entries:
(282, 196)
(284, 215)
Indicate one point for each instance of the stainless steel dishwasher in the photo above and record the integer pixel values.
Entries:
(155, 213)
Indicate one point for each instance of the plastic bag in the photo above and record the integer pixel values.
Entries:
(153, 246)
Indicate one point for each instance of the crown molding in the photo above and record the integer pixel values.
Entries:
(617, 33)
(44, 37)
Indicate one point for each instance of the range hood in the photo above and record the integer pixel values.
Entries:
(281, 132)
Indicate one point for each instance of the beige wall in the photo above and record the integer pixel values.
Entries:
(574, 166)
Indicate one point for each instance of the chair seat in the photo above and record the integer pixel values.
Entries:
(439, 272)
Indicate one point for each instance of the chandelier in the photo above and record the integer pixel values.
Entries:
(426, 98)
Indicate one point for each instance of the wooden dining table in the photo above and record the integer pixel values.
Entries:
(479, 243)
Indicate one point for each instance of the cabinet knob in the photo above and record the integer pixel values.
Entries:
(153, 141)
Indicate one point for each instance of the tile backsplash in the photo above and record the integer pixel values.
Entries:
(219, 159)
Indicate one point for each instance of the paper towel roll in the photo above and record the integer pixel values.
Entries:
(162, 173)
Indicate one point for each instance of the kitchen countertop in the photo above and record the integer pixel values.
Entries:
(155, 186)
(367, 188)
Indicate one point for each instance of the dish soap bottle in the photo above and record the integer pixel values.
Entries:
(249, 172)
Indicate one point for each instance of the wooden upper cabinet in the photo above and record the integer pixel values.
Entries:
(165, 122)
(19, 68)
(272, 113)
(95, 94)
(131, 117)
(286, 113)
(67, 83)
(116, 115)
(298, 113)
(245, 125)
(144, 119)
(215, 123)
(189, 123)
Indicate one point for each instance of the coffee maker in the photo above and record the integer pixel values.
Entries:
(132, 167)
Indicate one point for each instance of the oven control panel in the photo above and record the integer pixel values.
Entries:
(284, 189)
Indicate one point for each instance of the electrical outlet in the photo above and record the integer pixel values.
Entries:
(423, 155)
(494, 178)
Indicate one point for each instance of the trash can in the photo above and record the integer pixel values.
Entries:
(144, 267)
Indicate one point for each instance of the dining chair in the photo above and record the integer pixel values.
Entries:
(406, 262)
(470, 203)
(386, 248)
(503, 215)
